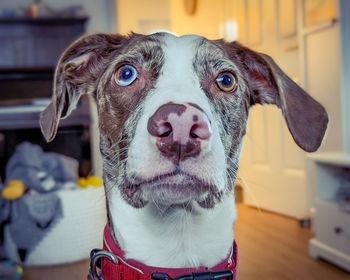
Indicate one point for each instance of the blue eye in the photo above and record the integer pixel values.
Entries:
(125, 75)
(226, 82)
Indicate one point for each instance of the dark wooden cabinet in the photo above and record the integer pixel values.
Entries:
(27, 42)
(29, 51)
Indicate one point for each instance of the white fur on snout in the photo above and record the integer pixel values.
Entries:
(177, 83)
(144, 160)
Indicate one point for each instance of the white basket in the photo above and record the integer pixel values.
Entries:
(75, 234)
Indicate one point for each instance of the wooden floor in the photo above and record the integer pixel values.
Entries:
(271, 247)
(274, 247)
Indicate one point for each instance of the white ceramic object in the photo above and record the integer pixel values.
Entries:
(75, 234)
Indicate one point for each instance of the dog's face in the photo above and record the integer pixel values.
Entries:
(173, 111)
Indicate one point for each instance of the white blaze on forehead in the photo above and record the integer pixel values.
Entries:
(177, 81)
(179, 56)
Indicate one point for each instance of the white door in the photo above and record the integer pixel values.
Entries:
(272, 165)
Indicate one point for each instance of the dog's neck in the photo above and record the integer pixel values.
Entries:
(173, 237)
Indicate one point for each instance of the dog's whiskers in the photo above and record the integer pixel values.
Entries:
(251, 194)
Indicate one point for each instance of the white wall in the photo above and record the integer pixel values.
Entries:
(101, 12)
(344, 9)
(142, 16)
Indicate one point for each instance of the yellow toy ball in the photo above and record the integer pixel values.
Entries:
(82, 182)
(13, 190)
(94, 181)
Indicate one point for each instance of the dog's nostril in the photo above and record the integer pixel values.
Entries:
(165, 129)
(193, 131)
(165, 134)
(200, 130)
(193, 135)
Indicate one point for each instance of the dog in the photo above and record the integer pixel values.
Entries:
(172, 116)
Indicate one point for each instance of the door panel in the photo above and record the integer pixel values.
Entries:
(259, 134)
(276, 181)
(323, 79)
(272, 165)
(292, 157)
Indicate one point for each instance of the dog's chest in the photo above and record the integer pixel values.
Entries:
(178, 239)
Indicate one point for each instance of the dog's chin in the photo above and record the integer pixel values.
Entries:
(175, 189)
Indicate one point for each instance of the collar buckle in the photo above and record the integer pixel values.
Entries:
(95, 262)
(203, 275)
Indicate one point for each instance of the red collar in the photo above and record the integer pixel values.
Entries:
(116, 267)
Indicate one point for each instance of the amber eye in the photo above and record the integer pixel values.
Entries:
(226, 81)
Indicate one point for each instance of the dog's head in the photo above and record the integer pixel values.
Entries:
(173, 111)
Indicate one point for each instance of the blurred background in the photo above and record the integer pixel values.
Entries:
(293, 207)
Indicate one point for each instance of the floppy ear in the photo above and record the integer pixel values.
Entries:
(306, 118)
(77, 73)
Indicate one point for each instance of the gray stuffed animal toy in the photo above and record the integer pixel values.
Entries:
(30, 217)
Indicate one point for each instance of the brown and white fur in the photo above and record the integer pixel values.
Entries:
(175, 210)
